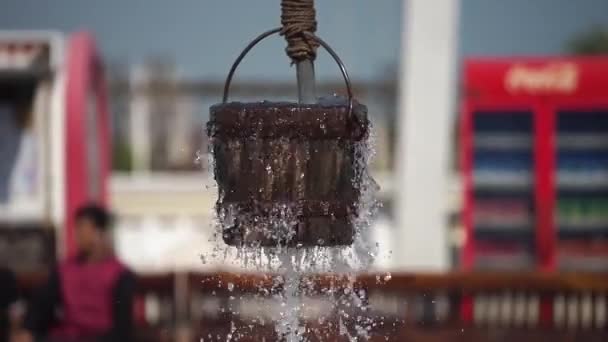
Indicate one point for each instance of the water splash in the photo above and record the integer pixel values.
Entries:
(290, 301)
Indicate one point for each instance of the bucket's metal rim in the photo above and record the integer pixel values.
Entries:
(266, 34)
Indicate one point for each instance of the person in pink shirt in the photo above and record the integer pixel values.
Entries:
(93, 291)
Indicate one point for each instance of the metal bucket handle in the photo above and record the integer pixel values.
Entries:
(275, 31)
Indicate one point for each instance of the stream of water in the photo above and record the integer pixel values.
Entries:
(289, 307)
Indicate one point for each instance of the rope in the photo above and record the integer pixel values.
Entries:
(297, 17)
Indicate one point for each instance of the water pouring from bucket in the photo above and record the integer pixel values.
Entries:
(288, 174)
(293, 182)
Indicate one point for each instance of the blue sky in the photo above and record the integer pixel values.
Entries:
(203, 36)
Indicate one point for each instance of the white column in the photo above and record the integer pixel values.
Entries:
(427, 92)
(180, 147)
(57, 158)
(139, 130)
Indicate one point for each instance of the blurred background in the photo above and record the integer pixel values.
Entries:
(490, 129)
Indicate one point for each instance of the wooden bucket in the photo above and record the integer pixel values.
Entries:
(288, 174)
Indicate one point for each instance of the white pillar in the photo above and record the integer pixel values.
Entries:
(427, 92)
(139, 130)
(180, 147)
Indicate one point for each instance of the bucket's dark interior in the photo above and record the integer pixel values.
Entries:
(288, 174)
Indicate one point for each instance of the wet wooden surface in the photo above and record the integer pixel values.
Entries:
(292, 165)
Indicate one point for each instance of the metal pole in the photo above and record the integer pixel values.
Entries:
(306, 81)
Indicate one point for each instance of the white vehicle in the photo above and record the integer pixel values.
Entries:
(54, 141)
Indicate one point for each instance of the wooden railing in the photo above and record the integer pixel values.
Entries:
(400, 307)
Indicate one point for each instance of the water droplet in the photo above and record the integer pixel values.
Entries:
(199, 158)
(388, 277)
(230, 287)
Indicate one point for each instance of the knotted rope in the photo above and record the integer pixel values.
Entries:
(297, 17)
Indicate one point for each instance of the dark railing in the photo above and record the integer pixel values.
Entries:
(400, 307)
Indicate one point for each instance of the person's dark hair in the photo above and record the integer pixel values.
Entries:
(101, 218)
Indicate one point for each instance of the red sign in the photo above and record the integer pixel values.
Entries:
(488, 79)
